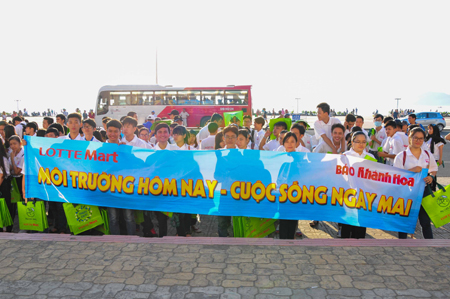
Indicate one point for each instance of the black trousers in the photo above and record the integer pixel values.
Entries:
(354, 232)
(288, 228)
(5, 190)
(147, 226)
(184, 225)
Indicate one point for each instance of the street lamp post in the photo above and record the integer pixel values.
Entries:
(297, 99)
(17, 105)
(397, 99)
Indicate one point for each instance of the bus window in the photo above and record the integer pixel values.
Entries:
(236, 97)
(102, 103)
(147, 97)
(213, 97)
(171, 98)
(194, 97)
(120, 98)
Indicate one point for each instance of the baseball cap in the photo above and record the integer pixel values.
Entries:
(177, 118)
(150, 116)
(174, 112)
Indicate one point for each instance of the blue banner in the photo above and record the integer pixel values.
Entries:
(298, 186)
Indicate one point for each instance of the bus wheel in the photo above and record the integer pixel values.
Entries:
(204, 120)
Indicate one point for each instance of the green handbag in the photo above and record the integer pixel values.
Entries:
(104, 228)
(138, 216)
(5, 216)
(252, 227)
(81, 218)
(32, 215)
(437, 206)
(15, 192)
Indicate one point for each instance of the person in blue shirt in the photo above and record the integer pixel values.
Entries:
(412, 120)
(148, 124)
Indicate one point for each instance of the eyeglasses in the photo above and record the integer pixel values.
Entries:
(87, 127)
(230, 137)
(418, 139)
(359, 142)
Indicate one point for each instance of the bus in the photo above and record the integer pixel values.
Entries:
(116, 101)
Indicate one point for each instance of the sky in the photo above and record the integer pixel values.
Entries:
(57, 54)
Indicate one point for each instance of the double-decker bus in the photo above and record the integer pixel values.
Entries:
(116, 101)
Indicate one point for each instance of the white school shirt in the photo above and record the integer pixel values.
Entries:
(184, 115)
(136, 142)
(153, 140)
(18, 161)
(272, 145)
(321, 128)
(395, 146)
(300, 149)
(157, 148)
(424, 161)
(79, 137)
(436, 148)
(309, 141)
(324, 148)
(351, 152)
(259, 135)
(380, 135)
(404, 139)
(19, 130)
(185, 147)
(7, 168)
(202, 134)
(208, 143)
(93, 139)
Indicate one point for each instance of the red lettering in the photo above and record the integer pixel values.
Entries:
(77, 154)
(48, 152)
(90, 155)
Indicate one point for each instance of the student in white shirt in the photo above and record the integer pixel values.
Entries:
(88, 128)
(274, 144)
(144, 135)
(435, 143)
(162, 135)
(129, 127)
(5, 183)
(322, 127)
(17, 121)
(337, 135)
(74, 125)
(288, 228)
(243, 139)
(181, 144)
(393, 145)
(230, 135)
(415, 159)
(401, 134)
(204, 133)
(31, 129)
(360, 123)
(113, 130)
(308, 141)
(209, 142)
(358, 149)
(192, 139)
(299, 132)
(349, 123)
(258, 123)
(379, 133)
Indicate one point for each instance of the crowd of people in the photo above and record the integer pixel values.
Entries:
(392, 142)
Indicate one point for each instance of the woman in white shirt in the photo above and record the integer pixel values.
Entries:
(5, 182)
(358, 149)
(288, 228)
(415, 159)
(181, 139)
(435, 143)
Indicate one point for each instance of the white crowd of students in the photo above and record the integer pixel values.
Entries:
(390, 142)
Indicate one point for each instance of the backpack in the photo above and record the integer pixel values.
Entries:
(404, 156)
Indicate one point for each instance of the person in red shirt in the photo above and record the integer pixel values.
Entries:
(91, 114)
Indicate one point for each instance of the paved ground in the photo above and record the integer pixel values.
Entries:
(52, 269)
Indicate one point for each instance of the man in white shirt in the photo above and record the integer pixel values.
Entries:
(88, 128)
(349, 123)
(162, 135)
(337, 133)
(393, 145)
(113, 130)
(30, 129)
(17, 121)
(258, 123)
(152, 116)
(378, 133)
(184, 115)
(129, 127)
(74, 124)
(204, 133)
(322, 127)
(209, 143)
(274, 144)
(401, 134)
(307, 141)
